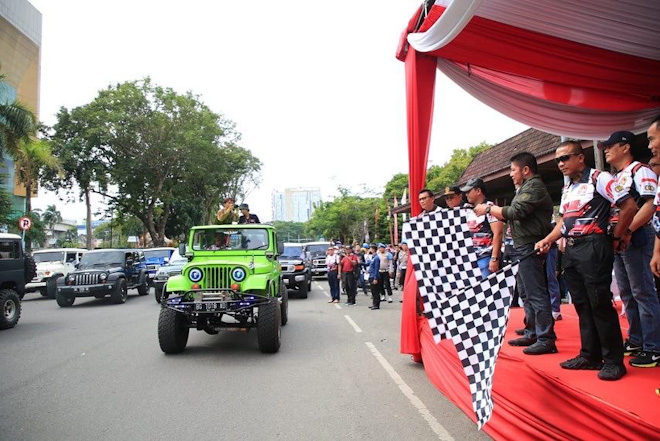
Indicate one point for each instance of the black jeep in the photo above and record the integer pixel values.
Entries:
(102, 273)
(15, 269)
(296, 268)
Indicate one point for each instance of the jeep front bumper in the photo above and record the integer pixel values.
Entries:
(213, 302)
(294, 279)
(86, 290)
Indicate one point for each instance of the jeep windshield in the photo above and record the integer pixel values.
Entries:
(50, 256)
(292, 252)
(226, 240)
(159, 254)
(317, 250)
(102, 259)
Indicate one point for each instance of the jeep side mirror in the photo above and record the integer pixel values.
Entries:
(280, 248)
(182, 249)
(129, 261)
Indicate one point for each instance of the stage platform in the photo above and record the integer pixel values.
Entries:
(535, 399)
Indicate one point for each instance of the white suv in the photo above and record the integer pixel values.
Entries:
(51, 264)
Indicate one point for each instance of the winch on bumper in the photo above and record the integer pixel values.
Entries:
(226, 301)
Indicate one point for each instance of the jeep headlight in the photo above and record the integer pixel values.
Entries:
(70, 278)
(103, 277)
(195, 275)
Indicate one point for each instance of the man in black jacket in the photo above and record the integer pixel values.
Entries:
(530, 214)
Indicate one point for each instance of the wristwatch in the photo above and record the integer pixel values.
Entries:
(488, 209)
(494, 259)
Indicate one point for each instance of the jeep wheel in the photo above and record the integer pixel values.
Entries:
(11, 308)
(302, 290)
(284, 295)
(143, 288)
(158, 291)
(268, 327)
(120, 294)
(43, 292)
(63, 300)
(309, 284)
(51, 287)
(172, 331)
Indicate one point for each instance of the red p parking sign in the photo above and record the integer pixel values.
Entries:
(25, 223)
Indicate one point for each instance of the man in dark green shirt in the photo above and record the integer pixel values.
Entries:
(530, 214)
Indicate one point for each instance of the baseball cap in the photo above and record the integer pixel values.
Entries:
(381, 245)
(244, 207)
(453, 189)
(473, 183)
(616, 137)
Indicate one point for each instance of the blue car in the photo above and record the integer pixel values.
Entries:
(155, 258)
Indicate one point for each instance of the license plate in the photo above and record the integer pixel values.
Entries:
(81, 289)
(210, 306)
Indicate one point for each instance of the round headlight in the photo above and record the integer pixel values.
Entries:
(103, 276)
(71, 278)
(238, 274)
(195, 275)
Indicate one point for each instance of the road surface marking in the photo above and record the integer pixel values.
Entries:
(408, 392)
(337, 306)
(353, 324)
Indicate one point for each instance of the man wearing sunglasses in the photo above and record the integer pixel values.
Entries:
(589, 257)
(632, 266)
(530, 214)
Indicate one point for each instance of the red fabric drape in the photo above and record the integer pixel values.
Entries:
(420, 86)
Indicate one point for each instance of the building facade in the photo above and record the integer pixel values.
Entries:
(20, 63)
(295, 204)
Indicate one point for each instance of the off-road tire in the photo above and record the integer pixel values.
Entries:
(43, 291)
(172, 331)
(268, 327)
(64, 301)
(284, 306)
(158, 291)
(309, 284)
(143, 288)
(120, 294)
(51, 286)
(29, 268)
(10, 308)
(302, 290)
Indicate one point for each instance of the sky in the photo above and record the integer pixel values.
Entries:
(313, 87)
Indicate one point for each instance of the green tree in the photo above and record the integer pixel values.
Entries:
(51, 217)
(6, 215)
(449, 173)
(290, 231)
(69, 240)
(31, 158)
(17, 124)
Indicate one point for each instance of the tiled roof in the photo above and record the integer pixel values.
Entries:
(498, 157)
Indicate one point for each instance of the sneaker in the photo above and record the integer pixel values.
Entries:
(612, 372)
(581, 363)
(557, 316)
(520, 331)
(539, 348)
(382, 298)
(646, 359)
(374, 307)
(522, 341)
(630, 348)
(389, 299)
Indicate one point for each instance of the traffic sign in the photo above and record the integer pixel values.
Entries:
(25, 223)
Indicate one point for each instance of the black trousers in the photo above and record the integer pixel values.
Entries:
(588, 271)
(376, 291)
(385, 281)
(349, 285)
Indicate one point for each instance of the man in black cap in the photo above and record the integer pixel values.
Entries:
(486, 230)
(246, 217)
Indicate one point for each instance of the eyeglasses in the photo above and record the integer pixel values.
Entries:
(424, 198)
(565, 158)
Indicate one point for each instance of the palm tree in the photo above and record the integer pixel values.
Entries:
(51, 217)
(17, 124)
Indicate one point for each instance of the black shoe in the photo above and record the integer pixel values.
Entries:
(539, 348)
(646, 359)
(630, 348)
(612, 372)
(374, 307)
(581, 363)
(520, 331)
(522, 341)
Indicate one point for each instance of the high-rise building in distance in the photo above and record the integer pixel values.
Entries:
(295, 204)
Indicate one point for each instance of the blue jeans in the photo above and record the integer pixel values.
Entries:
(483, 266)
(637, 290)
(551, 274)
(538, 312)
(333, 281)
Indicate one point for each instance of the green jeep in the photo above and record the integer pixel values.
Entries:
(232, 281)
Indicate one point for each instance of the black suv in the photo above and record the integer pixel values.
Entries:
(15, 269)
(296, 268)
(101, 273)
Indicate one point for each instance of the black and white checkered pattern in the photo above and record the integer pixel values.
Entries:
(461, 306)
(443, 259)
(476, 321)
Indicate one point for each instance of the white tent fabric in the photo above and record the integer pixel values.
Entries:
(559, 119)
(625, 26)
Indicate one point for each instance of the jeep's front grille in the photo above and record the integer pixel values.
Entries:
(87, 279)
(217, 277)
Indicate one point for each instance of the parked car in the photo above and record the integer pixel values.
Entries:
(51, 264)
(155, 258)
(15, 268)
(318, 252)
(296, 268)
(232, 280)
(172, 268)
(102, 273)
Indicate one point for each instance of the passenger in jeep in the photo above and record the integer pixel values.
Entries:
(246, 217)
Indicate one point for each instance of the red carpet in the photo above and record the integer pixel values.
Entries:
(537, 400)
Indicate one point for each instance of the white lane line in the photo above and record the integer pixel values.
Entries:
(439, 430)
(353, 324)
(337, 306)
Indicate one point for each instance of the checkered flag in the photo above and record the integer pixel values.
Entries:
(459, 304)
(476, 320)
(443, 259)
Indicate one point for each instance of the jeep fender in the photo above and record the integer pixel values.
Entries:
(177, 283)
(256, 282)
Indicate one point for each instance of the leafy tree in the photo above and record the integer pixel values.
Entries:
(451, 171)
(30, 158)
(51, 217)
(17, 124)
(290, 230)
(69, 240)
(6, 216)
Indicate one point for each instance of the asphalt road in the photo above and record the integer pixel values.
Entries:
(95, 371)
